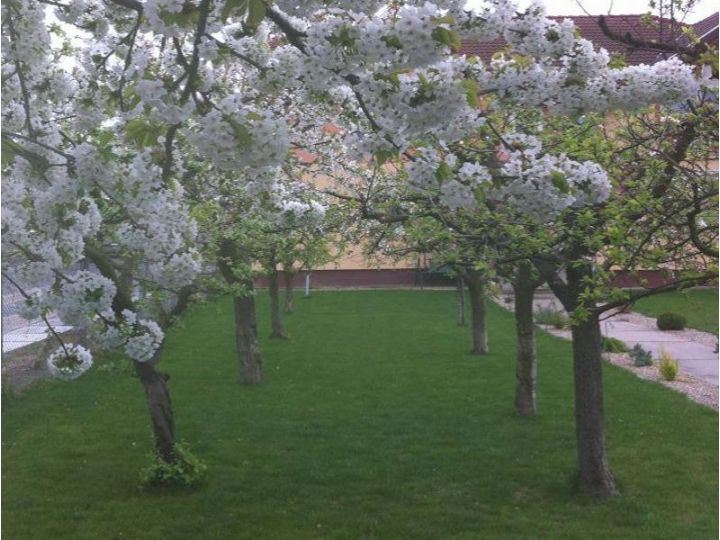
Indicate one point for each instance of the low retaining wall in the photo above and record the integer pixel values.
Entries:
(411, 277)
(404, 277)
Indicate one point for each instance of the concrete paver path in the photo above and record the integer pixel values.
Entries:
(31, 333)
(694, 358)
(697, 359)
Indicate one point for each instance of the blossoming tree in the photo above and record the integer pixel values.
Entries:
(107, 102)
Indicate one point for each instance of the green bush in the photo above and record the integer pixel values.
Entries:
(613, 345)
(668, 366)
(187, 471)
(640, 356)
(671, 321)
(552, 317)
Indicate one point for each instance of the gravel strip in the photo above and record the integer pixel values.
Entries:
(695, 389)
(689, 334)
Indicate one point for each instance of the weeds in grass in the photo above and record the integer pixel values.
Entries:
(187, 471)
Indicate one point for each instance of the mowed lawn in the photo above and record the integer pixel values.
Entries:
(374, 423)
(699, 306)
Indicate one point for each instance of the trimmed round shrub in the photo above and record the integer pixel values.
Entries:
(671, 321)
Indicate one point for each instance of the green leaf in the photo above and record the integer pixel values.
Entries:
(383, 156)
(105, 137)
(392, 41)
(141, 132)
(184, 18)
(256, 13)
(471, 92)
(235, 8)
(393, 78)
(94, 295)
(617, 60)
(446, 37)
(447, 19)
(11, 149)
(343, 39)
(242, 134)
(443, 172)
(559, 181)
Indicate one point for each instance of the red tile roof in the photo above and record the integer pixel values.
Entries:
(707, 29)
(589, 29)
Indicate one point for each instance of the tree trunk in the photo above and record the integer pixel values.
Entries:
(594, 475)
(526, 366)
(246, 340)
(277, 330)
(476, 287)
(461, 300)
(289, 291)
(157, 394)
(247, 345)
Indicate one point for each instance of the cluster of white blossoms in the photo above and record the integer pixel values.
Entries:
(82, 296)
(236, 136)
(454, 182)
(143, 345)
(310, 210)
(175, 271)
(69, 362)
(102, 127)
(425, 102)
(567, 90)
(153, 94)
(139, 338)
(349, 42)
(158, 226)
(77, 299)
(161, 14)
(543, 185)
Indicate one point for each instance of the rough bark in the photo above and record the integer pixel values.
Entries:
(157, 394)
(276, 324)
(461, 301)
(526, 366)
(247, 345)
(246, 340)
(476, 288)
(594, 475)
(155, 383)
(289, 291)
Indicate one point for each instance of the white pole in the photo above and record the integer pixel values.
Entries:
(307, 284)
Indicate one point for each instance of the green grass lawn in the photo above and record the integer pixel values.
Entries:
(699, 306)
(374, 423)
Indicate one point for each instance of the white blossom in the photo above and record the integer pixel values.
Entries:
(69, 362)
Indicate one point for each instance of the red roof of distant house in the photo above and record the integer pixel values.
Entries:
(621, 24)
(707, 29)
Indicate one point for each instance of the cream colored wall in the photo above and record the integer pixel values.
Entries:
(353, 258)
